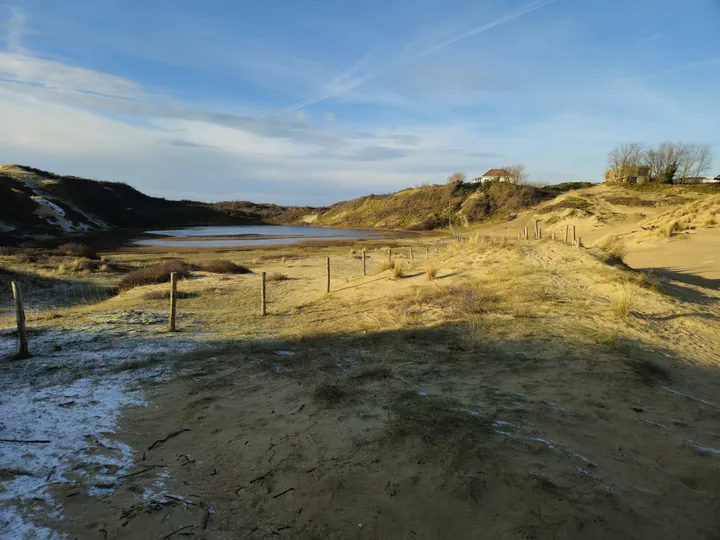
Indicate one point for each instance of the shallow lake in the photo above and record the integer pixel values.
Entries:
(254, 235)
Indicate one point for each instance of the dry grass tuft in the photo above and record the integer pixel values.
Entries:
(461, 299)
(330, 394)
(387, 265)
(77, 265)
(613, 246)
(622, 305)
(443, 423)
(159, 273)
(224, 267)
(431, 272)
(398, 271)
(277, 276)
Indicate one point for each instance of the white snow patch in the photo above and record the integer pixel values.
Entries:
(43, 399)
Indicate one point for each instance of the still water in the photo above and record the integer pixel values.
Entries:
(254, 235)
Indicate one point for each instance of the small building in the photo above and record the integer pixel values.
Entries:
(629, 174)
(494, 175)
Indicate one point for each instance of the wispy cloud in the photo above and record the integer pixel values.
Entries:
(24, 69)
(16, 30)
(345, 82)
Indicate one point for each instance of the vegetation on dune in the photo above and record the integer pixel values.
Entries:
(432, 207)
(224, 267)
(159, 273)
(266, 213)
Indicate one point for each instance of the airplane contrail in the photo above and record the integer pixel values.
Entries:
(352, 85)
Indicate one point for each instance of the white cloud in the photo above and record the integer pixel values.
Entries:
(24, 69)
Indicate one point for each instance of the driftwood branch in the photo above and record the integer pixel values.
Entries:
(25, 441)
(170, 436)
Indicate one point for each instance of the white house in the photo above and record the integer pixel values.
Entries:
(494, 175)
(698, 180)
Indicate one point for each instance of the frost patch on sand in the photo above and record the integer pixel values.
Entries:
(70, 393)
(703, 449)
(692, 398)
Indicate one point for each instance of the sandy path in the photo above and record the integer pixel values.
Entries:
(693, 258)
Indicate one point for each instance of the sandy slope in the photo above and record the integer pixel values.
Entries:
(506, 399)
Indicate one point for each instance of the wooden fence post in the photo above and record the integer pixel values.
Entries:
(553, 237)
(427, 254)
(537, 229)
(412, 258)
(328, 275)
(23, 351)
(567, 228)
(574, 237)
(263, 305)
(389, 255)
(579, 243)
(173, 299)
(539, 233)
(525, 231)
(364, 264)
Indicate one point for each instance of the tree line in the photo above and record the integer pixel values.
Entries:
(668, 163)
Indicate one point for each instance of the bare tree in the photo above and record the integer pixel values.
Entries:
(456, 178)
(627, 155)
(517, 173)
(694, 160)
(676, 162)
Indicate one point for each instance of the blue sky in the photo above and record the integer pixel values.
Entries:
(315, 101)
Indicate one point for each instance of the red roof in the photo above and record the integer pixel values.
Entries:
(495, 173)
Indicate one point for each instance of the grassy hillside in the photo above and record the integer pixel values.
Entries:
(36, 203)
(430, 207)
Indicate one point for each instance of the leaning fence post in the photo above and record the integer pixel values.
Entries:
(567, 228)
(364, 264)
(20, 320)
(263, 309)
(173, 299)
(328, 275)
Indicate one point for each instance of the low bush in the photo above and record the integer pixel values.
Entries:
(224, 267)
(165, 295)
(159, 273)
(277, 276)
(398, 271)
(77, 250)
